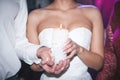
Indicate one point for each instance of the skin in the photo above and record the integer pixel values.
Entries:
(71, 15)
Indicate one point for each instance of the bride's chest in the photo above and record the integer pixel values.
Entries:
(69, 20)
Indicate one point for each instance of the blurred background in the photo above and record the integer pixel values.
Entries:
(105, 6)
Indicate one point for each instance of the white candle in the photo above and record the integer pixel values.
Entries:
(59, 38)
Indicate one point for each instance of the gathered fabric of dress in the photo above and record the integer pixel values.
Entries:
(77, 69)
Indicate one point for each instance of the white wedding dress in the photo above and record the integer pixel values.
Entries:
(77, 69)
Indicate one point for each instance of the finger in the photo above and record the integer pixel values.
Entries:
(59, 65)
(62, 68)
(47, 68)
(68, 41)
(68, 63)
(51, 61)
(43, 62)
(58, 71)
(64, 65)
(71, 54)
(67, 45)
(53, 68)
(48, 59)
(69, 50)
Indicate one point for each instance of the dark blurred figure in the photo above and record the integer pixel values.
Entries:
(85, 1)
(27, 74)
(31, 5)
(42, 3)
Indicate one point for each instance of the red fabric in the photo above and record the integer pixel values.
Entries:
(111, 68)
(116, 44)
(116, 36)
(110, 62)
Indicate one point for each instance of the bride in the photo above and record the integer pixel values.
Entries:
(84, 47)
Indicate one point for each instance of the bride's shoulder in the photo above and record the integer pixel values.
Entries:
(38, 12)
(86, 6)
(89, 8)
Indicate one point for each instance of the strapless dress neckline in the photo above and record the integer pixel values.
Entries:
(69, 31)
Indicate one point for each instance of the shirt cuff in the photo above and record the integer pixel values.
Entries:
(27, 52)
(32, 51)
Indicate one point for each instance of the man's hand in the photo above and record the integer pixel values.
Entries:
(44, 54)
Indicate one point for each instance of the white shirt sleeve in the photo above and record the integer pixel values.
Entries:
(26, 51)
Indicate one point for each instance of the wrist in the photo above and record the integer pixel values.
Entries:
(80, 50)
(36, 67)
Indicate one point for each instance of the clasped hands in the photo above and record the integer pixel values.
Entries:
(47, 63)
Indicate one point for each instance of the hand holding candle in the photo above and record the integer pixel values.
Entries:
(59, 38)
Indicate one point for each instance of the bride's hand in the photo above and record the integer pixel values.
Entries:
(71, 49)
(47, 62)
(62, 66)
